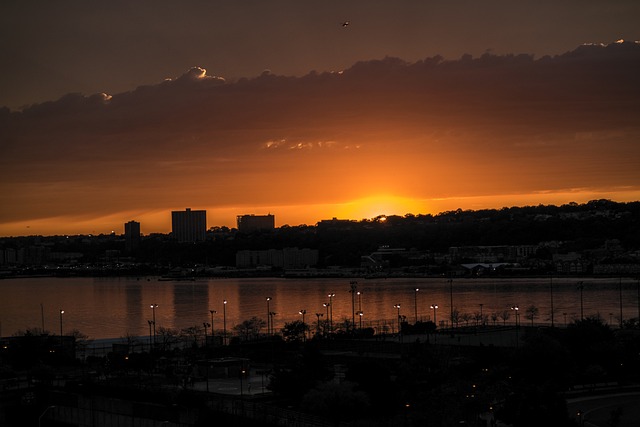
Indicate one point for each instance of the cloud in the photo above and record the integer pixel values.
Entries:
(433, 128)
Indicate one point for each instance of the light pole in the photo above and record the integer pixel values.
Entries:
(150, 323)
(360, 313)
(353, 291)
(516, 309)
(213, 341)
(397, 306)
(435, 319)
(331, 295)
(327, 305)
(224, 322)
(415, 303)
(304, 325)
(153, 308)
(268, 317)
(61, 313)
(481, 317)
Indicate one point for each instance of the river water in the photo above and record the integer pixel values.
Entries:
(118, 307)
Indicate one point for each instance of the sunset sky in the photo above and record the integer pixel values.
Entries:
(119, 110)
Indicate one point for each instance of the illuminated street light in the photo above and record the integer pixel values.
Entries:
(415, 303)
(397, 306)
(435, 308)
(331, 310)
(61, 313)
(224, 317)
(353, 291)
(153, 307)
(268, 317)
(304, 329)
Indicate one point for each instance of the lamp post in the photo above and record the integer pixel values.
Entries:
(224, 322)
(415, 303)
(304, 328)
(481, 317)
(397, 307)
(153, 308)
(435, 319)
(517, 309)
(151, 322)
(327, 305)
(213, 341)
(268, 317)
(353, 291)
(61, 313)
(331, 295)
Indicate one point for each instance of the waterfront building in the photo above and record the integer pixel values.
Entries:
(189, 226)
(287, 258)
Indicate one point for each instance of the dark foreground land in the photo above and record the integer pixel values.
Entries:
(584, 374)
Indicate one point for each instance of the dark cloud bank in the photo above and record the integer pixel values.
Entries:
(581, 107)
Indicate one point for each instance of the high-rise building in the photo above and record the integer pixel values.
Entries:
(188, 225)
(249, 223)
(132, 235)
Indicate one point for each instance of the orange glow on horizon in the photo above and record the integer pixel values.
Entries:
(159, 220)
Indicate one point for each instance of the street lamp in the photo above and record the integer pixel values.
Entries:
(153, 308)
(353, 291)
(212, 330)
(397, 306)
(327, 305)
(517, 309)
(415, 303)
(224, 322)
(268, 317)
(331, 308)
(435, 320)
(61, 313)
(304, 329)
(151, 322)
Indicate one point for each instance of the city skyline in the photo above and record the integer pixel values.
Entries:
(417, 108)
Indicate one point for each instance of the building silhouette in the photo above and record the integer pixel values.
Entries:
(250, 223)
(189, 226)
(132, 235)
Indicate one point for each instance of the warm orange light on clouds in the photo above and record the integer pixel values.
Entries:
(384, 137)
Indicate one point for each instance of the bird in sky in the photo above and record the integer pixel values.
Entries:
(346, 24)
